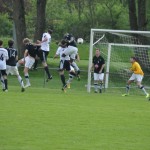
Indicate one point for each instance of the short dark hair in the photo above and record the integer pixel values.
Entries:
(50, 31)
(10, 43)
(1, 42)
(134, 58)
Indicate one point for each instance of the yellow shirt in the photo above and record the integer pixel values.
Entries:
(136, 68)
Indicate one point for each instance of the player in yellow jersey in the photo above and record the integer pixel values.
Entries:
(137, 76)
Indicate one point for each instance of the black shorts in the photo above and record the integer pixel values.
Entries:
(3, 72)
(43, 55)
(64, 65)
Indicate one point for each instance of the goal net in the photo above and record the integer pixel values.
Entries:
(117, 46)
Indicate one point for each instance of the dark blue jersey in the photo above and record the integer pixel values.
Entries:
(12, 54)
(70, 40)
(31, 50)
(98, 61)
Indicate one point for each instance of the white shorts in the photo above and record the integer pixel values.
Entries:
(13, 70)
(136, 77)
(72, 51)
(98, 76)
(29, 61)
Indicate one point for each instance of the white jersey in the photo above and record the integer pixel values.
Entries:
(60, 51)
(45, 45)
(3, 58)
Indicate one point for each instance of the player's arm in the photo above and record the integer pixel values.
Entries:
(55, 56)
(102, 68)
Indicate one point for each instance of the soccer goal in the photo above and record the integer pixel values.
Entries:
(117, 46)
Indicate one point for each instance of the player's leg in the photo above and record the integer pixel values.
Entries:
(139, 79)
(20, 62)
(61, 72)
(101, 79)
(36, 63)
(72, 74)
(29, 61)
(2, 82)
(96, 79)
(75, 66)
(132, 78)
(4, 75)
(20, 80)
(43, 57)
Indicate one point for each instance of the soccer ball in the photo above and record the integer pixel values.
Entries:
(80, 41)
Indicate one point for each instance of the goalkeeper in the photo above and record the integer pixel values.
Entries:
(137, 76)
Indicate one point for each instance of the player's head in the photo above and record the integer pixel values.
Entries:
(50, 31)
(63, 43)
(133, 59)
(97, 52)
(1, 42)
(10, 43)
(26, 41)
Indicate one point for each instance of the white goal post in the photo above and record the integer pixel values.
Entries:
(127, 41)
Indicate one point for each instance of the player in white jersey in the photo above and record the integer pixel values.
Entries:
(11, 67)
(3, 58)
(44, 51)
(64, 65)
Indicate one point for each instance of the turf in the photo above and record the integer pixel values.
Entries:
(47, 119)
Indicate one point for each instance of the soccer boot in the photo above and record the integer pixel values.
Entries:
(27, 85)
(64, 88)
(147, 95)
(127, 94)
(68, 85)
(22, 89)
(95, 91)
(49, 78)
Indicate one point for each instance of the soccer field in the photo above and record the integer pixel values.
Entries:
(47, 119)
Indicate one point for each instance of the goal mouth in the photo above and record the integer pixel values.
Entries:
(117, 46)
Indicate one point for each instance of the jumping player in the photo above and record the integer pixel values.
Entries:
(44, 51)
(28, 60)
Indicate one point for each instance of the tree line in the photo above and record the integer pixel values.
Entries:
(33, 17)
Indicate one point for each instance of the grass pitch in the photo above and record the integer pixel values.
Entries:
(47, 119)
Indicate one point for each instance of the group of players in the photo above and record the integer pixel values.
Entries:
(67, 51)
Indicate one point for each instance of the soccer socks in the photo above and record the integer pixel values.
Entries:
(47, 72)
(71, 76)
(96, 87)
(142, 88)
(35, 64)
(127, 88)
(63, 80)
(27, 78)
(20, 81)
(6, 84)
(3, 84)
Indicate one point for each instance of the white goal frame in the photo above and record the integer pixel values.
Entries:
(92, 43)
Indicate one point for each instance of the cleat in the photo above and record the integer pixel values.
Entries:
(5, 90)
(27, 85)
(68, 85)
(95, 91)
(49, 78)
(64, 88)
(125, 94)
(22, 89)
(147, 96)
(100, 90)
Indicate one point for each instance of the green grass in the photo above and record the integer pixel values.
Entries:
(47, 119)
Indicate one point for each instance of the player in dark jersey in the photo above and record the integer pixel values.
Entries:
(98, 65)
(11, 67)
(28, 60)
(72, 50)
